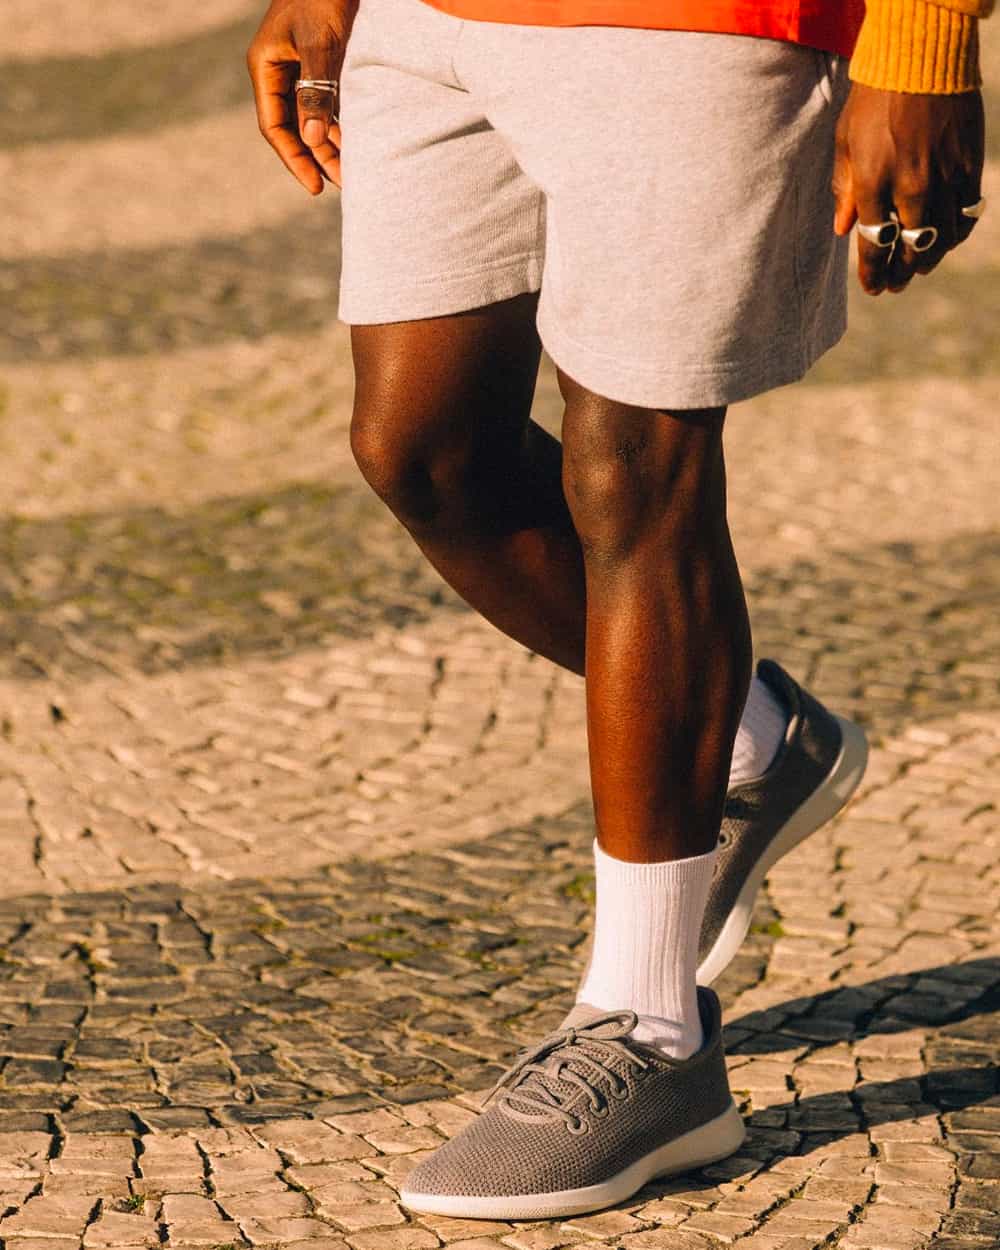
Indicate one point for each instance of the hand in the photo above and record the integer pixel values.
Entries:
(301, 39)
(920, 156)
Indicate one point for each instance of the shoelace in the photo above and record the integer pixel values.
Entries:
(525, 1089)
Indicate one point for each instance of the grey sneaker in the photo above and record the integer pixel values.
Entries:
(582, 1121)
(817, 769)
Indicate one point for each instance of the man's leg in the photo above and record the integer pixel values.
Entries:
(668, 667)
(634, 1084)
(668, 636)
(442, 433)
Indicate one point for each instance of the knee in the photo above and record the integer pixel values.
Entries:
(607, 501)
(385, 461)
(634, 476)
(422, 479)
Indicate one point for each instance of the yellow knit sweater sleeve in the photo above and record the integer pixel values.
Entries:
(920, 45)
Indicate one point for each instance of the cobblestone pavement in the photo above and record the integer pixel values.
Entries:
(271, 797)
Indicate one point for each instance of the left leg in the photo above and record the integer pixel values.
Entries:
(668, 636)
(668, 668)
(634, 1084)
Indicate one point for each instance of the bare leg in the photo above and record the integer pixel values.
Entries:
(668, 654)
(442, 432)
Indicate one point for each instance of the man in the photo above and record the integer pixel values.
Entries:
(644, 188)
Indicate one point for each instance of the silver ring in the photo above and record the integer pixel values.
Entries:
(920, 238)
(882, 234)
(317, 84)
(975, 210)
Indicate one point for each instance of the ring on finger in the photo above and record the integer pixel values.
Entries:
(317, 84)
(975, 210)
(882, 234)
(920, 238)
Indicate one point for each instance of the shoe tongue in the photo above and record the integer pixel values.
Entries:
(581, 1015)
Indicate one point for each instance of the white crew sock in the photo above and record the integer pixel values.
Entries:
(761, 733)
(645, 951)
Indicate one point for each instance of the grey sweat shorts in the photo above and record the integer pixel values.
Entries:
(667, 192)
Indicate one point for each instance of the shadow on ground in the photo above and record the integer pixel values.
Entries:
(152, 590)
(394, 981)
(892, 632)
(129, 90)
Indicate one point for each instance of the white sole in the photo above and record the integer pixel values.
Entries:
(715, 1140)
(821, 806)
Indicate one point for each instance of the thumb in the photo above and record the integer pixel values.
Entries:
(318, 106)
(846, 212)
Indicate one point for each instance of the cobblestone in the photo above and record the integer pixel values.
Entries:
(293, 1146)
(297, 849)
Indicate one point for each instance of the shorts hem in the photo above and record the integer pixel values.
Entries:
(440, 296)
(647, 385)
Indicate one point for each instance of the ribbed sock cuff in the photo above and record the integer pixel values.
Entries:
(762, 730)
(645, 951)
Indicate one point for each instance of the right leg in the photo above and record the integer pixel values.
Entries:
(442, 432)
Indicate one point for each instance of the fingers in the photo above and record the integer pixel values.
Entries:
(301, 126)
(317, 110)
(968, 191)
(913, 158)
(968, 157)
(327, 153)
(274, 89)
(939, 164)
(874, 205)
(912, 198)
(846, 210)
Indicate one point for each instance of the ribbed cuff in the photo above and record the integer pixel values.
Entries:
(912, 45)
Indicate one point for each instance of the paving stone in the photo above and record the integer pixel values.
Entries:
(24, 1148)
(973, 1224)
(204, 1232)
(280, 1203)
(117, 1229)
(325, 1242)
(395, 1239)
(282, 1230)
(475, 1243)
(602, 1224)
(450, 1230)
(915, 1173)
(42, 1216)
(39, 1243)
(178, 1207)
(96, 1185)
(664, 1211)
(297, 848)
(725, 1228)
(394, 1168)
(891, 1217)
(982, 1166)
(914, 1197)
(360, 1215)
(405, 1140)
(865, 1238)
(652, 1239)
(540, 1238)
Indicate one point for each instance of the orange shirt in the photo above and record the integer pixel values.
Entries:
(832, 25)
